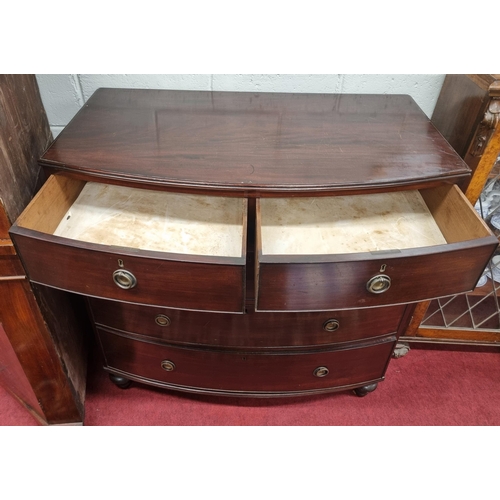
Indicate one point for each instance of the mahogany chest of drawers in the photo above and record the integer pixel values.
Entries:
(251, 244)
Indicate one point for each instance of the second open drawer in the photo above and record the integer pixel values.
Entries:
(327, 253)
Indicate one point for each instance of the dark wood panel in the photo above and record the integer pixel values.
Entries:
(71, 333)
(459, 109)
(24, 135)
(415, 275)
(13, 378)
(251, 330)
(37, 353)
(248, 142)
(88, 269)
(48, 371)
(247, 372)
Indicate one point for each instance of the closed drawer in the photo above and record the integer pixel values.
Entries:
(136, 245)
(368, 250)
(246, 373)
(252, 330)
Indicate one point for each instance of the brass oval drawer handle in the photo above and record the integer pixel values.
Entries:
(321, 371)
(124, 279)
(167, 365)
(331, 325)
(379, 284)
(162, 320)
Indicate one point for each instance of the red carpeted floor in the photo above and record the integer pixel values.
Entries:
(428, 386)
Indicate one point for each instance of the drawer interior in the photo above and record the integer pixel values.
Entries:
(366, 223)
(139, 218)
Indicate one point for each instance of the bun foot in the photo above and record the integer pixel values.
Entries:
(401, 349)
(121, 382)
(363, 391)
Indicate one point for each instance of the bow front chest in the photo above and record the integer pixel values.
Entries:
(251, 244)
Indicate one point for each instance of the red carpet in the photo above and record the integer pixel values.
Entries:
(428, 386)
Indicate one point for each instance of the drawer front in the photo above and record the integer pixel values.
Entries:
(344, 284)
(251, 330)
(87, 271)
(250, 373)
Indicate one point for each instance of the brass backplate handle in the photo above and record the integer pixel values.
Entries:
(124, 279)
(379, 284)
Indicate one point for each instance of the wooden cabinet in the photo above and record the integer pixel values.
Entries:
(468, 115)
(251, 244)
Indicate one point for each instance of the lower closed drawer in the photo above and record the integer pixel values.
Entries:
(246, 373)
(252, 330)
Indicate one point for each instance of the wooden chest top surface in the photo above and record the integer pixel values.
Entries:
(254, 144)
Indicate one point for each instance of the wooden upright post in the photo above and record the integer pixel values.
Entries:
(42, 345)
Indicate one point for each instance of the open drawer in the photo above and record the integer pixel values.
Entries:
(136, 245)
(345, 252)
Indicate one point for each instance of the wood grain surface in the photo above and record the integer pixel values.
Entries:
(27, 337)
(162, 279)
(249, 331)
(248, 143)
(242, 372)
(341, 283)
(24, 135)
(42, 348)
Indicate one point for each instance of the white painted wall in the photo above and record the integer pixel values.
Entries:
(64, 95)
